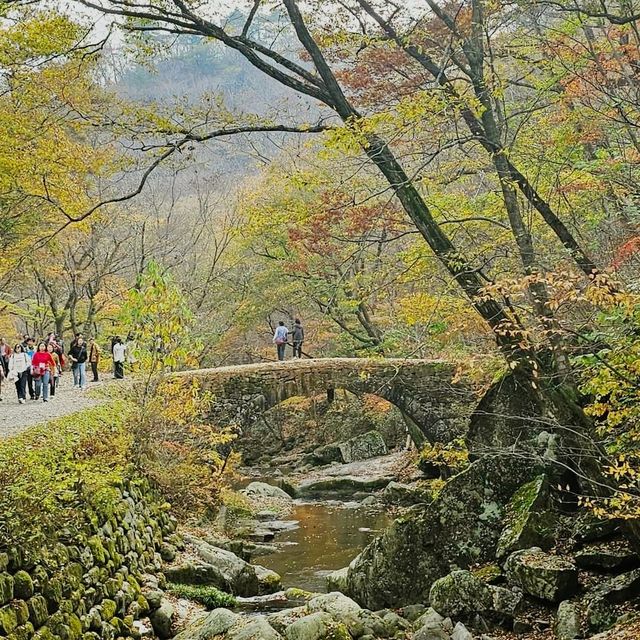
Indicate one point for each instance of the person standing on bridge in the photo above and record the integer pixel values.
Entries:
(280, 338)
(298, 338)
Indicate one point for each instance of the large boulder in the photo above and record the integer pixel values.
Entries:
(240, 577)
(600, 603)
(264, 490)
(252, 629)
(542, 575)
(328, 453)
(213, 624)
(460, 632)
(337, 580)
(620, 588)
(162, 620)
(280, 620)
(506, 603)
(503, 417)
(405, 495)
(607, 556)
(568, 625)
(528, 522)
(196, 573)
(461, 527)
(460, 595)
(269, 581)
(317, 626)
(340, 486)
(335, 603)
(363, 447)
(342, 609)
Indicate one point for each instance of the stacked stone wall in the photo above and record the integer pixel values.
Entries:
(426, 391)
(86, 585)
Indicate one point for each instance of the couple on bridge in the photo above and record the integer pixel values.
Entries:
(281, 339)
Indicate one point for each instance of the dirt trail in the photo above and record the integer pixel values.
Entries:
(15, 417)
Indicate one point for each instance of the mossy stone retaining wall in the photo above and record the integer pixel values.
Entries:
(86, 585)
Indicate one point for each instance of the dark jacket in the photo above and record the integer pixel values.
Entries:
(298, 333)
(79, 352)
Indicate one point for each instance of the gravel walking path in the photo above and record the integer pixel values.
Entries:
(15, 417)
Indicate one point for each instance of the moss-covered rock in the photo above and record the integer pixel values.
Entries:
(97, 549)
(38, 612)
(22, 585)
(8, 619)
(362, 447)
(252, 629)
(22, 611)
(75, 626)
(108, 609)
(542, 575)
(317, 626)
(568, 623)
(162, 620)
(53, 593)
(23, 632)
(207, 595)
(6, 588)
(460, 595)
(506, 603)
(529, 521)
(44, 633)
(268, 581)
(600, 603)
(280, 620)
(337, 580)
(213, 625)
(196, 573)
(461, 527)
(607, 556)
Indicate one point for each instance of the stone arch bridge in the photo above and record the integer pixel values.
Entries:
(425, 391)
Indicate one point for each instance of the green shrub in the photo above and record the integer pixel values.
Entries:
(206, 595)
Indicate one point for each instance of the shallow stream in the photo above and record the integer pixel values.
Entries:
(329, 536)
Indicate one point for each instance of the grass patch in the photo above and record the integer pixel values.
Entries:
(57, 476)
(210, 597)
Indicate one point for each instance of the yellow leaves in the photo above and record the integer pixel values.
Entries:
(453, 455)
(49, 116)
(35, 35)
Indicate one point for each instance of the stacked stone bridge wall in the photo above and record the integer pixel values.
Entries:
(426, 391)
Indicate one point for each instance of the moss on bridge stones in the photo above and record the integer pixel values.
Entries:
(423, 389)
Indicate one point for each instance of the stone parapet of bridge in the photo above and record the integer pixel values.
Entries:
(426, 391)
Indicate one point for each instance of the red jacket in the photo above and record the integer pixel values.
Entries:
(43, 361)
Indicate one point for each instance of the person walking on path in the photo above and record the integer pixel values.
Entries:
(280, 338)
(119, 355)
(19, 364)
(55, 370)
(298, 338)
(94, 357)
(5, 354)
(30, 349)
(78, 356)
(42, 364)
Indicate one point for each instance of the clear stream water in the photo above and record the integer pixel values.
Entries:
(329, 536)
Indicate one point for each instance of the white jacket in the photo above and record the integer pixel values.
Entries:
(19, 362)
(118, 352)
